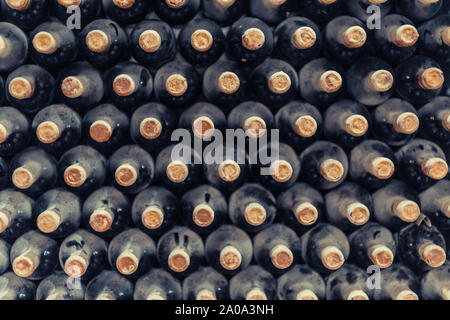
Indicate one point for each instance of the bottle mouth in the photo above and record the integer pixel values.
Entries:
(255, 214)
(126, 175)
(5, 220)
(150, 41)
(306, 213)
(407, 210)
(435, 168)
(203, 127)
(152, 217)
(382, 168)
(406, 123)
(68, 3)
(432, 254)
(18, 4)
(44, 42)
(406, 294)
(446, 36)
(177, 171)
(226, 3)
(281, 256)
(123, 4)
(75, 266)
(156, 295)
(445, 293)
(176, 85)
(356, 125)
(229, 170)
(332, 258)
(124, 85)
(279, 82)
(381, 256)
(446, 208)
(72, 87)
(100, 131)
(101, 219)
(150, 128)
(178, 260)
(3, 46)
(229, 82)
(332, 170)
(201, 40)
(431, 79)
(253, 39)
(358, 214)
(406, 36)
(354, 37)
(276, 2)
(306, 294)
(24, 266)
(75, 175)
(304, 38)
(48, 221)
(326, 2)
(97, 41)
(256, 294)
(48, 132)
(377, 1)
(305, 126)
(330, 81)
(255, 127)
(230, 258)
(381, 81)
(175, 4)
(106, 296)
(23, 178)
(357, 294)
(206, 294)
(281, 171)
(20, 88)
(4, 134)
(445, 122)
(55, 295)
(203, 215)
(127, 263)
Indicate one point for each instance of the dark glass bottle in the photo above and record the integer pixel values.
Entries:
(25, 14)
(13, 287)
(57, 213)
(301, 283)
(2, 90)
(272, 11)
(348, 283)
(34, 256)
(4, 255)
(176, 12)
(4, 174)
(435, 37)
(419, 10)
(224, 12)
(205, 284)
(254, 118)
(109, 285)
(89, 10)
(106, 212)
(14, 131)
(252, 207)
(60, 286)
(228, 250)
(16, 214)
(13, 46)
(435, 203)
(322, 11)
(435, 120)
(126, 11)
(397, 283)
(253, 283)
(157, 284)
(435, 284)
(446, 86)
(56, 128)
(83, 255)
(358, 8)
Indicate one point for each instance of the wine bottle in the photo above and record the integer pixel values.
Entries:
(359, 8)
(89, 9)
(397, 283)
(435, 284)
(33, 171)
(83, 255)
(82, 169)
(224, 12)
(228, 249)
(301, 283)
(126, 11)
(157, 284)
(57, 213)
(419, 10)
(57, 128)
(29, 88)
(322, 11)
(153, 43)
(249, 40)
(252, 207)
(277, 248)
(177, 84)
(106, 128)
(372, 164)
(324, 248)
(25, 14)
(348, 283)
(180, 251)
(34, 256)
(372, 244)
(4, 255)
(435, 37)
(205, 284)
(106, 212)
(300, 207)
(253, 283)
(109, 285)
(435, 203)
(14, 131)
(347, 123)
(155, 210)
(419, 79)
(132, 253)
(435, 120)
(13, 287)
(60, 286)
(272, 11)
(176, 12)
(395, 122)
(16, 215)
(321, 81)
(396, 205)
(252, 117)
(324, 165)
(13, 47)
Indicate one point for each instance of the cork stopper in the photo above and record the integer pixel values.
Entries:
(406, 123)
(127, 262)
(330, 81)
(72, 87)
(75, 175)
(176, 85)
(201, 40)
(152, 217)
(377, 1)
(126, 175)
(18, 4)
(357, 213)
(68, 3)
(435, 168)
(203, 215)
(100, 131)
(5, 220)
(306, 213)
(3, 133)
(332, 257)
(446, 208)
(25, 264)
(101, 219)
(306, 294)
(150, 41)
(381, 167)
(206, 294)
(405, 36)
(431, 79)
(203, 127)
(255, 214)
(253, 39)
(48, 221)
(178, 260)
(150, 128)
(281, 256)
(357, 295)
(48, 132)
(428, 1)
(23, 178)
(279, 82)
(3, 46)
(226, 3)
(255, 127)
(446, 36)
(75, 266)
(124, 85)
(21, 88)
(445, 123)
(177, 171)
(228, 82)
(44, 42)
(230, 258)
(281, 171)
(123, 4)
(326, 2)
(156, 295)
(276, 3)
(432, 254)
(405, 294)
(354, 37)
(381, 81)
(97, 41)
(305, 126)
(445, 293)
(229, 170)
(304, 38)
(356, 125)
(175, 4)
(407, 210)
(381, 256)
(256, 294)
(332, 170)
(106, 296)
